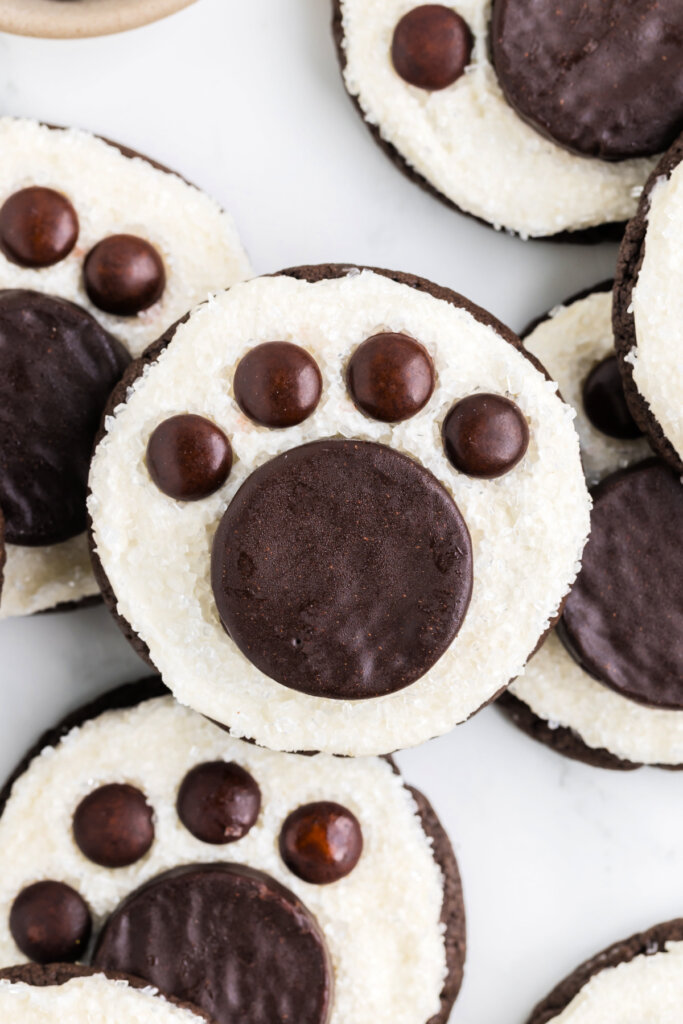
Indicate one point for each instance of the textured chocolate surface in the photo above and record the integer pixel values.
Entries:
(431, 47)
(38, 227)
(342, 569)
(123, 275)
(50, 921)
(218, 802)
(113, 825)
(321, 842)
(653, 940)
(226, 937)
(390, 377)
(602, 78)
(485, 435)
(278, 384)
(188, 457)
(623, 619)
(57, 368)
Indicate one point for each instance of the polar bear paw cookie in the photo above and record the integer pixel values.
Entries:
(648, 309)
(638, 979)
(37, 993)
(536, 118)
(141, 838)
(337, 509)
(100, 250)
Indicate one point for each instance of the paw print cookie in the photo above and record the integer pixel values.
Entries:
(100, 250)
(36, 993)
(538, 119)
(141, 838)
(337, 508)
(637, 979)
(648, 309)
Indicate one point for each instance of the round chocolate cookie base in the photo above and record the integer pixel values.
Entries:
(611, 232)
(652, 941)
(2, 549)
(629, 263)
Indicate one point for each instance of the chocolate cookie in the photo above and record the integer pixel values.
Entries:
(305, 859)
(648, 309)
(640, 978)
(529, 117)
(348, 573)
(92, 268)
(80, 994)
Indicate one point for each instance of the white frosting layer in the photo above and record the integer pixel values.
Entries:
(528, 528)
(569, 344)
(470, 144)
(111, 194)
(381, 923)
(658, 310)
(85, 1000)
(646, 989)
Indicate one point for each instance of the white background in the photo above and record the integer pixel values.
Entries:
(245, 99)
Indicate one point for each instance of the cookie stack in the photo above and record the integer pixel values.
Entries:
(338, 510)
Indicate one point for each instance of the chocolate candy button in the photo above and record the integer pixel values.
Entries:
(623, 620)
(123, 275)
(227, 938)
(485, 435)
(599, 77)
(321, 842)
(188, 457)
(57, 368)
(113, 826)
(38, 227)
(278, 384)
(604, 401)
(342, 569)
(50, 922)
(218, 802)
(391, 377)
(431, 47)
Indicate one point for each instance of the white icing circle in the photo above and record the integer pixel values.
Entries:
(528, 528)
(657, 303)
(382, 923)
(470, 144)
(83, 1000)
(111, 194)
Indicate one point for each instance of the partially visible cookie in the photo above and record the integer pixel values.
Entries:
(35, 993)
(648, 309)
(100, 250)
(636, 980)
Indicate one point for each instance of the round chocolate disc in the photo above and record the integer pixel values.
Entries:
(113, 826)
(123, 275)
(604, 401)
(485, 435)
(391, 377)
(57, 368)
(431, 47)
(600, 77)
(50, 922)
(188, 457)
(227, 938)
(218, 802)
(623, 620)
(321, 842)
(278, 384)
(38, 227)
(342, 569)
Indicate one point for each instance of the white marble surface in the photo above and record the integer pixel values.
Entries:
(245, 99)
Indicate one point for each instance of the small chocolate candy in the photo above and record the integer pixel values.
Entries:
(321, 842)
(188, 457)
(431, 46)
(278, 384)
(604, 401)
(227, 938)
(123, 275)
(623, 620)
(38, 227)
(485, 435)
(342, 569)
(218, 802)
(50, 922)
(113, 826)
(390, 377)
